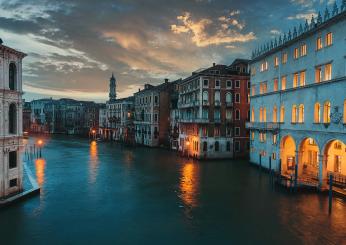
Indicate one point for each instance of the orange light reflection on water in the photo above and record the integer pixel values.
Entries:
(189, 184)
(40, 165)
(93, 161)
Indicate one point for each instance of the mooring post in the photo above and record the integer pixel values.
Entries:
(260, 161)
(295, 177)
(330, 193)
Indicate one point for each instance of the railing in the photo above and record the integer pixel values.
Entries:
(338, 179)
(228, 104)
(263, 125)
(194, 120)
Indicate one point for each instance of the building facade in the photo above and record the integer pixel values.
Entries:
(214, 106)
(298, 101)
(11, 169)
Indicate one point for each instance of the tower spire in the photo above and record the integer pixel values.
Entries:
(112, 89)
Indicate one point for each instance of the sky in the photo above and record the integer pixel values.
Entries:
(73, 46)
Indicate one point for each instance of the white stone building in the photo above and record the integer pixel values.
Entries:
(11, 169)
(298, 101)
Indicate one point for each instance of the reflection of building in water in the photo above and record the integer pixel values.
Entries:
(93, 161)
(189, 184)
(40, 165)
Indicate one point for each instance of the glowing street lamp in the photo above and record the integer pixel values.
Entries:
(40, 143)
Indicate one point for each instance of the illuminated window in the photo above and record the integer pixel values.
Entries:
(276, 61)
(253, 114)
(294, 113)
(296, 53)
(318, 74)
(275, 116)
(301, 114)
(302, 78)
(319, 44)
(295, 80)
(317, 113)
(283, 82)
(263, 87)
(303, 50)
(261, 115)
(263, 137)
(282, 114)
(252, 136)
(253, 90)
(253, 71)
(284, 58)
(328, 72)
(329, 39)
(276, 84)
(275, 138)
(264, 66)
(264, 114)
(326, 112)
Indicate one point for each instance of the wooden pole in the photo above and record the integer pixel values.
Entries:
(330, 193)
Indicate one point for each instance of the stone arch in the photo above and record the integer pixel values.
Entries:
(334, 152)
(287, 155)
(309, 153)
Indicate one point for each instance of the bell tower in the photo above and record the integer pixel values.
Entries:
(112, 89)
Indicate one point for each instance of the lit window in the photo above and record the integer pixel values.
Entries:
(283, 82)
(253, 114)
(318, 74)
(326, 112)
(317, 113)
(328, 72)
(329, 39)
(282, 114)
(296, 53)
(301, 114)
(276, 84)
(295, 80)
(284, 58)
(275, 137)
(275, 112)
(252, 136)
(263, 87)
(253, 90)
(264, 114)
(276, 61)
(302, 78)
(294, 114)
(264, 66)
(261, 115)
(303, 50)
(319, 44)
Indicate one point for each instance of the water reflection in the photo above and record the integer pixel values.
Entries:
(189, 184)
(40, 165)
(93, 162)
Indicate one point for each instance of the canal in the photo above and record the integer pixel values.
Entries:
(103, 193)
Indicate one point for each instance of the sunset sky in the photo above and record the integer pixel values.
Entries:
(74, 46)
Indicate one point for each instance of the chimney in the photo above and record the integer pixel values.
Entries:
(214, 64)
(166, 80)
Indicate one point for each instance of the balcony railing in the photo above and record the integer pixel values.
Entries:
(194, 120)
(263, 125)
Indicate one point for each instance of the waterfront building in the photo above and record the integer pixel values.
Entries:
(26, 117)
(152, 114)
(11, 126)
(214, 106)
(174, 118)
(298, 101)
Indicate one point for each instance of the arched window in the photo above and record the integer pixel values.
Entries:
(275, 114)
(12, 119)
(253, 114)
(228, 98)
(282, 114)
(205, 146)
(237, 114)
(261, 115)
(216, 145)
(217, 96)
(326, 112)
(294, 113)
(12, 76)
(301, 113)
(344, 111)
(317, 113)
(264, 114)
(205, 96)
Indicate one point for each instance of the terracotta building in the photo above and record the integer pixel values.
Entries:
(214, 107)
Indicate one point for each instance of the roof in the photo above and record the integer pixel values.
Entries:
(13, 51)
(160, 87)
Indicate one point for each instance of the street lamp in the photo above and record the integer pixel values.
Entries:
(40, 143)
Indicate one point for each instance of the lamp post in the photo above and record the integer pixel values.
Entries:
(40, 143)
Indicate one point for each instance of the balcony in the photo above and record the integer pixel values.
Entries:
(205, 103)
(194, 120)
(229, 104)
(268, 126)
(189, 104)
(217, 103)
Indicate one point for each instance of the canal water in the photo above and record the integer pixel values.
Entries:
(103, 193)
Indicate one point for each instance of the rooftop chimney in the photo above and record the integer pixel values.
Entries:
(166, 80)
(214, 64)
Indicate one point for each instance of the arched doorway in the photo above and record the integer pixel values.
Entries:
(288, 155)
(309, 159)
(335, 155)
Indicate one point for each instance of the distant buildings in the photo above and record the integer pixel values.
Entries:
(11, 169)
(213, 108)
(298, 101)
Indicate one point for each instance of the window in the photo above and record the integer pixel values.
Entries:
(156, 99)
(284, 58)
(317, 113)
(229, 84)
(205, 83)
(274, 156)
(276, 85)
(295, 80)
(237, 84)
(275, 139)
(318, 74)
(217, 114)
(205, 96)
(282, 114)
(252, 136)
(275, 116)
(237, 146)
(217, 131)
(217, 97)
(236, 131)
(326, 112)
(237, 114)
(228, 146)
(155, 117)
(13, 183)
(237, 98)
(319, 44)
(262, 137)
(217, 83)
(205, 146)
(296, 53)
(12, 116)
(253, 114)
(261, 115)
(301, 114)
(303, 50)
(329, 39)
(12, 159)
(228, 114)
(263, 87)
(217, 146)
(228, 131)
(12, 76)
(253, 90)
(283, 82)
(276, 61)
(294, 114)
(264, 66)
(248, 84)
(328, 72)
(302, 78)
(228, 98)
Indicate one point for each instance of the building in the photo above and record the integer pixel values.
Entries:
(214, 106)
(26, 117)
(298, 101)
(11, 169)
(152, 114)
(174, 117)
